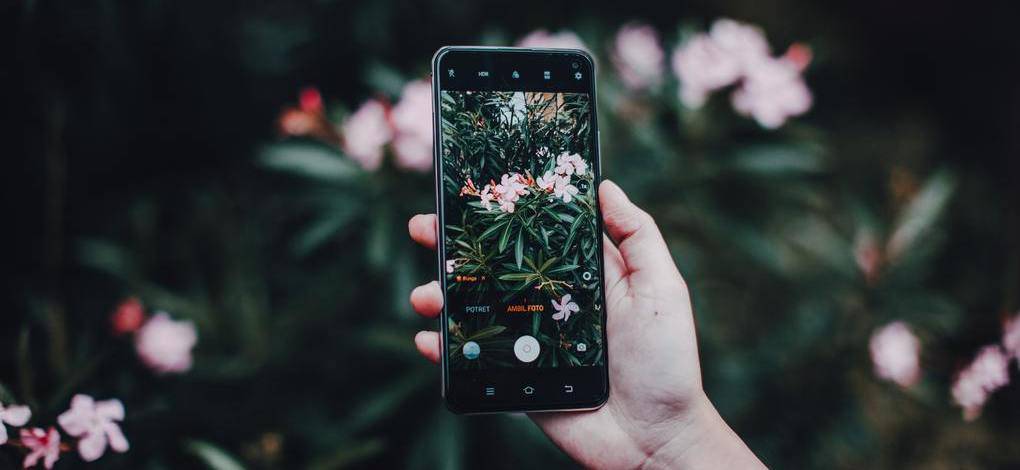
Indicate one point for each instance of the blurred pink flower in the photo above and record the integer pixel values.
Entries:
(977, 381)
(365, 133)
(703, 67)
(1011, 336)
(561, 40)
(14, 415)
(412, 121)
(894, 353)
(95, 424)
(41, 443)
(772, 91)
(165, 345)
(744, 43)
(564, 308)
(638, 56)
(128, 316)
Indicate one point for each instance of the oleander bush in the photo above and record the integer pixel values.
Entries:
(519, 171)
(209, 201)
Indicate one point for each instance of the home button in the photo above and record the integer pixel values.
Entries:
(529, 390)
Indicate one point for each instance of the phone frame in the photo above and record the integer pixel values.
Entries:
(580, 405)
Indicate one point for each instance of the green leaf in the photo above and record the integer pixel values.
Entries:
(487, 332)
(212, 455)
(567, 245)
(349, 454)
(519, 249)
(489, 232)
(562, 269)
(772, 160)
(516, 276)
(504, 239)
(309, 160)
(921, 213)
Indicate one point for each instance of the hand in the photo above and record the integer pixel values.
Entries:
(658, 414)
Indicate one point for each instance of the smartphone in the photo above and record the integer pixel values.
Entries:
(520, 231)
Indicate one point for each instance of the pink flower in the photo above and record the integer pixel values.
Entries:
(744, 43)
(365, 133)
(547, 181)
(451, 265)
(977, 381)
(703, 67)
(564, 308)
(95, 424)
(772, 92)
(561, 40)
(894, 352)
(14, 415)
(128, 316)
(44, 444)
(486, 196)
(569, 164)
(638, 56)
(412, 120)
(564, 189)
(165, 345)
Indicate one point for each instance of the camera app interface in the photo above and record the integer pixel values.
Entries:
(522, 238)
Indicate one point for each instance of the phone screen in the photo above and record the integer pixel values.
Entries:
(521, 251)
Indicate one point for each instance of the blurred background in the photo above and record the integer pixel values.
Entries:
(853, 253)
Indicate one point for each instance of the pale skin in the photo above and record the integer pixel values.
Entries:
(658, 415)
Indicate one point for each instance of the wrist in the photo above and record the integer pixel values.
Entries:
(703, 440)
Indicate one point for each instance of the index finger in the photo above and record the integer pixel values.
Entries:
(422, 228)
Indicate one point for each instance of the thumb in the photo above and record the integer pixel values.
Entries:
(645, 255)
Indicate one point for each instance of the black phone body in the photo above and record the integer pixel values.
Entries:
(519, 230)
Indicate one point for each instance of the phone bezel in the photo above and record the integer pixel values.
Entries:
(579, 405)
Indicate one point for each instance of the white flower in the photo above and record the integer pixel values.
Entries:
(450, 266)
(365, 133)
(894, 352)
(165, 345)
(547, 181)
(486, 196)
(772, 91)
(561, 40)
(569, 164)
(507, 206)
(14, 415)
(95, 424)
(638, 56)
(564, 189)
(564, 308)
(510, 187)
(412, 120)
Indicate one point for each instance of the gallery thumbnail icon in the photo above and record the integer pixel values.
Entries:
(472, 350)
